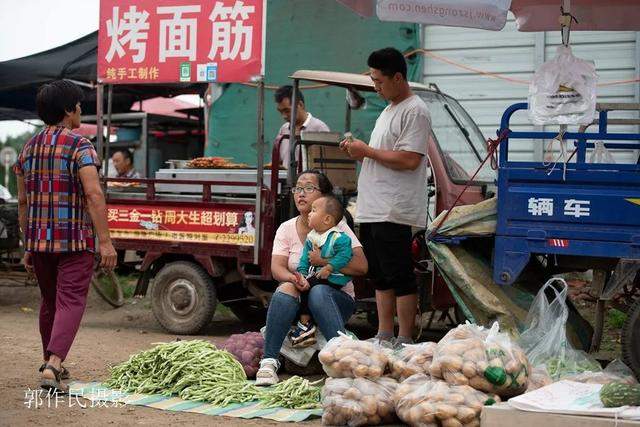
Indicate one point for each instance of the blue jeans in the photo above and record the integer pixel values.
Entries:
(330, 308)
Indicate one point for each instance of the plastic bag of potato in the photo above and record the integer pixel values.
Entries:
(411, 359)
(409, 385)
(538, 378)
(486, 360)
(345, 357)
(438, 404)
(359, 401)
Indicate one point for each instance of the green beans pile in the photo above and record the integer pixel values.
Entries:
(294, 393)
(169, 368)
(197, 370)
(221, 393)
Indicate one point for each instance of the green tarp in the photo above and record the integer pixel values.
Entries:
(467, 270)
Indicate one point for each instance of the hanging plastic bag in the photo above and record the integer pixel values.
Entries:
(545, 339)
(563, 91)
(600, 154)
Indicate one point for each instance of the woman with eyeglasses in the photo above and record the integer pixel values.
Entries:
(331, 308)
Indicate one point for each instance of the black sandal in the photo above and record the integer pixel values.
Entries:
(54, 386)
(64, 375)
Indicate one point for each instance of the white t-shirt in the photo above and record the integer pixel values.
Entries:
(397, 196)
(287, 243)
(310, 124)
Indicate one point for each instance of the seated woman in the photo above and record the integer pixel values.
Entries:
(331, 308)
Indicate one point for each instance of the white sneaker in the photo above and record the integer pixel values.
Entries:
(267, 374)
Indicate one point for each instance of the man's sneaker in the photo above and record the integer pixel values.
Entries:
(267, 374)
(304, 335)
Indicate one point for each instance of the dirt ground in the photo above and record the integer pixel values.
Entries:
(107, 336)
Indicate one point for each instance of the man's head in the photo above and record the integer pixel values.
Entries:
(388, 70)
(122, 161)
(283, 102)
(58, 102)
(326, 212)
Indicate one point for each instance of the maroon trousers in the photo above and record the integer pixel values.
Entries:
(64, 280)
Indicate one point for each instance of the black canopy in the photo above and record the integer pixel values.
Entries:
(77, 61)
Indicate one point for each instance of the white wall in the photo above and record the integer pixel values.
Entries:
(516, 55)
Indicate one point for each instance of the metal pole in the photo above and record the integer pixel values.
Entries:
(109, 104)
(292, 170)
(259, 173)
(566, 6)
(347, 119)
(99, 129)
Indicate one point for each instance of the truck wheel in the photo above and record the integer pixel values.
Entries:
(630, 338)
(183, 298)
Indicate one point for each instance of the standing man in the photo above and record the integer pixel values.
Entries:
(304, 121)
(392, 192)
(58, 185)
(123, 163)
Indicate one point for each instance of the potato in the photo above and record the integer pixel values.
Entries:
(361, 371)
(384, 409)
(341, 353)
(455, 399)
(469, 369)
(474, 355)
(369, 405)
(451, 422)
(353, 394)
(451, 363)
(374, 420)
(474, 423)
(466, 415)
(326, 357)
(444, 411)
(415, 416)
(375, 372)
(455, 378)
(480, 383)
(512, 366)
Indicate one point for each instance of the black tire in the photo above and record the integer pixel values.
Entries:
(630, 339)
(313, 368)
(183, 298)
(106, 283)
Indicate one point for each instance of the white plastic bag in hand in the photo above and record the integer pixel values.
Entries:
(563, 91)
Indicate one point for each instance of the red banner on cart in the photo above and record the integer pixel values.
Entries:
(170, 41)
(180, 224)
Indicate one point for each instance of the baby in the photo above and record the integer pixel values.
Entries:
(335, 249)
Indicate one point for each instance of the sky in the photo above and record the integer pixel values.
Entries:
(31, 26)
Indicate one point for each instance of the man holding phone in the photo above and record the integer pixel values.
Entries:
(392, 195)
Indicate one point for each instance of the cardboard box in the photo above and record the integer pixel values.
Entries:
(502, 415)
(336, 164)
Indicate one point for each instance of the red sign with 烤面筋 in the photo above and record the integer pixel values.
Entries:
(170, 41)
(183, 224)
